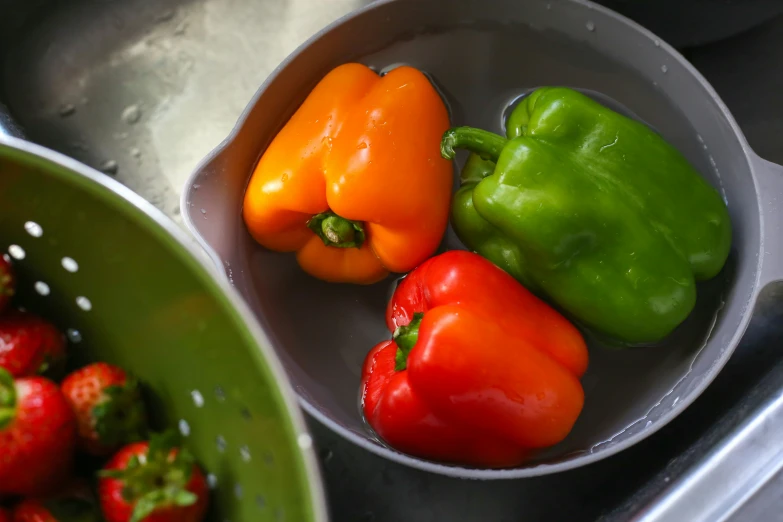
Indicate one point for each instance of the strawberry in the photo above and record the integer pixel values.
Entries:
(37, 435)
(108, 407)
(71, 505)
(153, 482)
(29, 345)
(7, 285)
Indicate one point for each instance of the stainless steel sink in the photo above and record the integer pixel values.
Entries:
(143, 89)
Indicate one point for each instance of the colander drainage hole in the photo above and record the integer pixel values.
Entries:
(74, 335)
(198, 399)
(221, 443)
(244, 452)
(42, 288)
(16, 252)
(83, 303)
(69, 264)
(33, 228)
(305, 441)
(184, 427)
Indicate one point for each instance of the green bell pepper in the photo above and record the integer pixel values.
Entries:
(593, 210)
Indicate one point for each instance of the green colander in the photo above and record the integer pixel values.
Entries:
(128, 287)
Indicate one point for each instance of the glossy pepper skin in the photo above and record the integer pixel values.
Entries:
(593, 210)
(354, 183)
(479, 371)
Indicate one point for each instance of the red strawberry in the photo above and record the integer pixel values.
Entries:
(4, 516)
(108, 407)
(37, 435)
(28, 344)
(71, 505)
(7, 285)
(153, 482)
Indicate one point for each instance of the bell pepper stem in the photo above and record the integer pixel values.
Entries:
(484, 143)
(336, 231)
(7, 398)
(406, 337)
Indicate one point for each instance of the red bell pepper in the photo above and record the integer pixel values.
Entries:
(479, 370)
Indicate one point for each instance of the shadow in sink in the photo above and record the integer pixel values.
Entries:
(143, 89)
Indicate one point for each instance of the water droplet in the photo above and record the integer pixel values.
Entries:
(131, 114)
(42, 288)
(220, 394)
(110, 167)
(203, 211)
(181, 28)
(284, 178)
(657, 43)
(664, 69)
(699, 138)
(67, 110)
(135, 152)
(260, 502)
(83, 303)
(74, 335)
(165, 16)
(590, 26)
(212, 481)
(326, 455)
(33, 228)
(238, 490)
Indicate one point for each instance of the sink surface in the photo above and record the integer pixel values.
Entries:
(143, 89)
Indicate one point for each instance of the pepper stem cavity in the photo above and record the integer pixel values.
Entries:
(7, 398)
(405, 337)
(336, 231)
(484, 143)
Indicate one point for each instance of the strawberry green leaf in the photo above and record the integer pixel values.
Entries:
(120, 418)
(159, 479)
(7, 398)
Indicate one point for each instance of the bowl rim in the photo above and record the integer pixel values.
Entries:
(191, 246)
(539, 469)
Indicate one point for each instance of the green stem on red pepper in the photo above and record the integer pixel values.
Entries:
(405, 337)
(484, 143)
(336, 231)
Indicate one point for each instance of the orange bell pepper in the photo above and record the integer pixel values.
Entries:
(354, 183)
